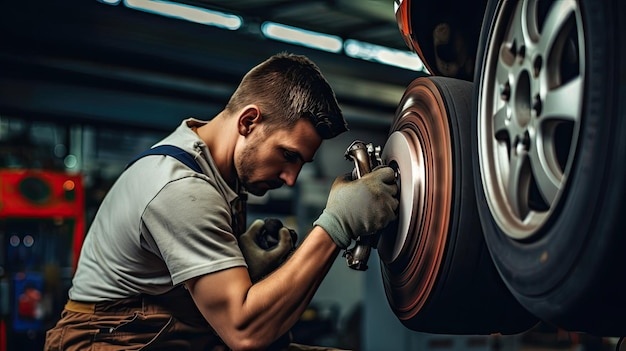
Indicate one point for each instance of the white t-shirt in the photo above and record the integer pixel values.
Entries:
(159, 225)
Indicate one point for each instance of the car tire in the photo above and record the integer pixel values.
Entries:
(549, 144)
(437, 272)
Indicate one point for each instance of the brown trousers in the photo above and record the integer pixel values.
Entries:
(168, 322)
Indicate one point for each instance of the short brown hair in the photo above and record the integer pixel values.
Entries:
(288, 87)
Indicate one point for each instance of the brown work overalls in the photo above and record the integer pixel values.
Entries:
(168, 322)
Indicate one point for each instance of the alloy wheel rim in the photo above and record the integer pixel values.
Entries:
(529, 112)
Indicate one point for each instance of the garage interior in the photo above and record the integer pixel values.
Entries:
(86, 85)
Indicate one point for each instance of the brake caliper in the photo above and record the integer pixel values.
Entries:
(366, 157)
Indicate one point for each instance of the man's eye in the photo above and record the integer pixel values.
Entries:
(290, 156)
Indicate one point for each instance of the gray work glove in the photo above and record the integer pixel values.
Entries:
(360, 207)
(262, 261)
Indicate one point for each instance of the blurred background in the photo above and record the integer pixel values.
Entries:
(86, 85)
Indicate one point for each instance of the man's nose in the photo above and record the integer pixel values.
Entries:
(290, 175)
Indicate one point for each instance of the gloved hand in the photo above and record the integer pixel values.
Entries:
(269, 236)
(360, 207)
(262, 261)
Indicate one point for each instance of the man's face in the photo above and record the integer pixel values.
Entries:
(269, 160)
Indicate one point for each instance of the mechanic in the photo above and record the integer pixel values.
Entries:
(168, 262)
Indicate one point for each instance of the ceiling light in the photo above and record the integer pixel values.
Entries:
(382, 54)
(187, 12)
(302, 37)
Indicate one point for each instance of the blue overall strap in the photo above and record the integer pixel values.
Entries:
(170, 150)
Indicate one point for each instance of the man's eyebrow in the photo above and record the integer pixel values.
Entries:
(298, 155)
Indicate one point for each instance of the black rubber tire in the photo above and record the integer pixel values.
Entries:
(569, 270)
(464, 293)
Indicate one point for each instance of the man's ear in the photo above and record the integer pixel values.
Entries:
(248, 119)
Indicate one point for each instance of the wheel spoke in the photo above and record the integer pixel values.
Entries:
(515, 31)
(554, 24)
(564, 102)
(500, 122)
(562, 105)
(529, 13)
(518, 182)
(509, 47)
(546, 171)
(503, 68)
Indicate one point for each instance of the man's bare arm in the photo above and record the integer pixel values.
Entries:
(250, 317)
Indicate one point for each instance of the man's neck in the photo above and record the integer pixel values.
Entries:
(221, 137)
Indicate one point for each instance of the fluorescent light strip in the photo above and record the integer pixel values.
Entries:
(187, 12)
(302, 37)
(281, 32)
(382, 54)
